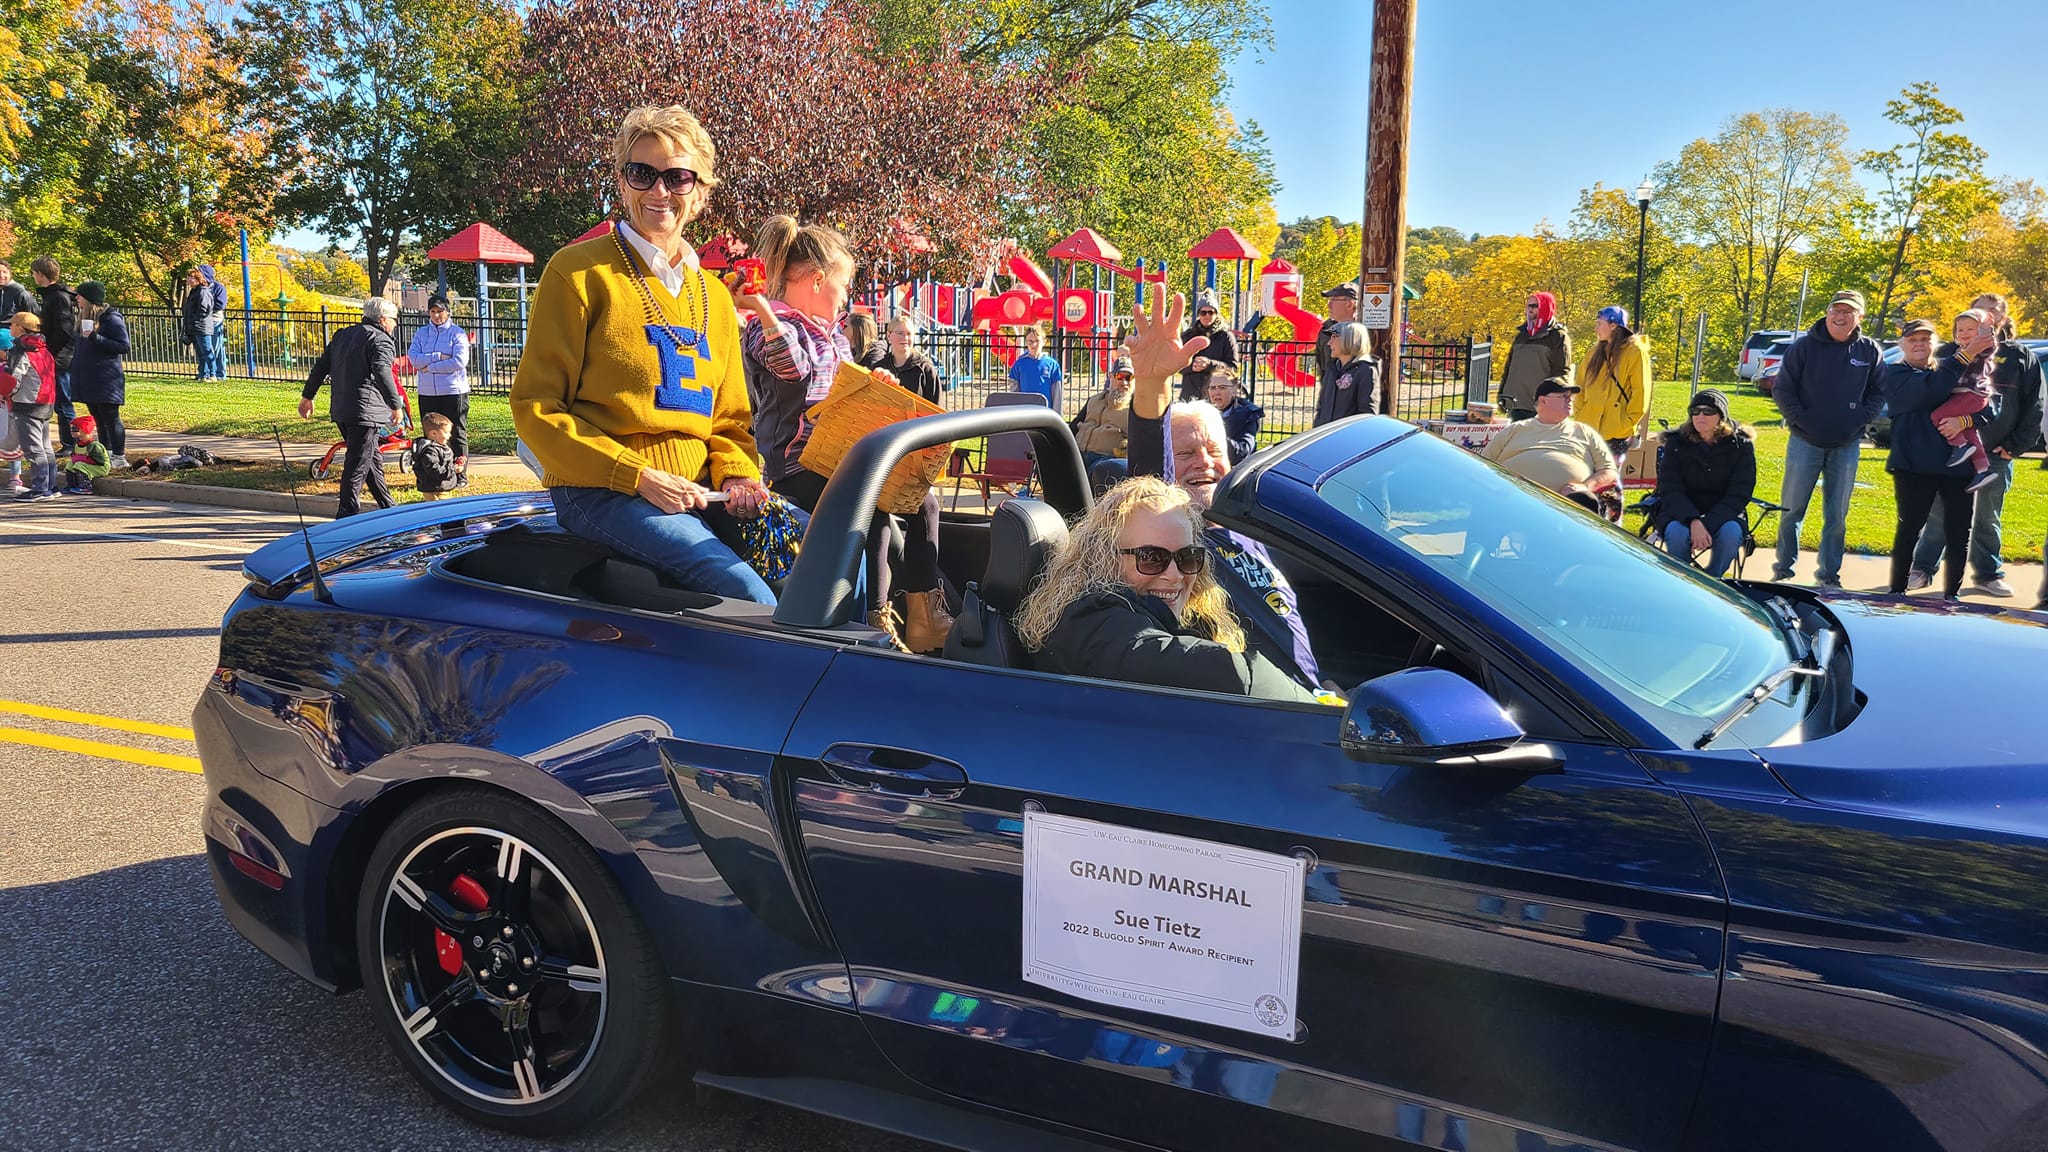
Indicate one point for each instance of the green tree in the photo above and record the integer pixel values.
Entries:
(1766, 184)
(402, 110)
(1933, 182)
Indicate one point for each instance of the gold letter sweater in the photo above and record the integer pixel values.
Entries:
(602, 391)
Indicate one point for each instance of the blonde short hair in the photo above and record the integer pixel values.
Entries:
(1350, 340)
(674, 126)
(29, 320)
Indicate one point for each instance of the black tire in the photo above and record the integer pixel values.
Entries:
(318, 468)
(594, 1009)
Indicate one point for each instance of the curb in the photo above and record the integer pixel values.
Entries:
(248, 499)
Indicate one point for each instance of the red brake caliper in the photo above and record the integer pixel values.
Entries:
(471, 897)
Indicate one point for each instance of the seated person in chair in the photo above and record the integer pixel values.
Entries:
(1198, 462)
(1101, 429)
(1130, 597)
(1705, 477)
(1554, 451)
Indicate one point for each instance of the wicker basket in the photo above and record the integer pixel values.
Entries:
(858, 404)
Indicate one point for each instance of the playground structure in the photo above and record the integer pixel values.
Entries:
(483, 245)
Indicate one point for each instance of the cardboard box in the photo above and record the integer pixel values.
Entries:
(1465, 435)
(1639, 464)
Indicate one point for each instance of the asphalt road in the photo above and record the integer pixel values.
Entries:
(131, 1015)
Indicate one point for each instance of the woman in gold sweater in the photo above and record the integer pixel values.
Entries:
(630, 391)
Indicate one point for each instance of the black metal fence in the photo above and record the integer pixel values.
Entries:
(277, 344)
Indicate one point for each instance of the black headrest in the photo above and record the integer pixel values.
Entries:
(1022, 537)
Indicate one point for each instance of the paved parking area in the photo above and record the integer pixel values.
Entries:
(131, 1015)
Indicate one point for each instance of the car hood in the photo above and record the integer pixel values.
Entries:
(1951, 727)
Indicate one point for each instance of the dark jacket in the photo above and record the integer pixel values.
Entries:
(60, 322)
(2017, 378)
(358, 359)
(1347, 390)
(1222, 349)
(201, 316)
(917, 373)
(14, 298)
(1241, 423)
(1710, 480)
(1913, 394)
(1265, 602)
(1533, 358)
(1830, 390)
(96, 375)
(1120, 635)
(433, 466)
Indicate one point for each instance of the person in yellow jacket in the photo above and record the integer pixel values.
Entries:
(631, 393)
(1615, 379)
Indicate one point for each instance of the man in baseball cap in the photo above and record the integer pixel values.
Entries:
(1829, 388)
(1555, 451)
(1343, 310)
(1103, 428)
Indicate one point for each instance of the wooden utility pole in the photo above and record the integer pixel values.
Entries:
(1385, 227)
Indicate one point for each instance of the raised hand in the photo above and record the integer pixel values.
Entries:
(1158, 354)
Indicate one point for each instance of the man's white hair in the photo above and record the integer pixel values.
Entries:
(377, 308)
(1200, 412)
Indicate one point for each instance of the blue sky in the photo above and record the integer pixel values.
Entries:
(1520, 105)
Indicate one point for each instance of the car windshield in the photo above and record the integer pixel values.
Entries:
(1678, 646)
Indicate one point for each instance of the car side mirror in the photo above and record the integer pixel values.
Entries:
(1426, 715)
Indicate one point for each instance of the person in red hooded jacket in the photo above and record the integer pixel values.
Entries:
(1542, 350)
(29, 382)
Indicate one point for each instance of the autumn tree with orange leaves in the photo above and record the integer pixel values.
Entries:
(808, 118)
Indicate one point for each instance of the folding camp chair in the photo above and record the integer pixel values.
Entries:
(1008, 459)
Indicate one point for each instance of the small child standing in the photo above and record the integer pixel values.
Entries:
(88, 459)
(1971, 395)
(433, 461)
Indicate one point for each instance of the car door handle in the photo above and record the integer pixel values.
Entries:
(893, 770)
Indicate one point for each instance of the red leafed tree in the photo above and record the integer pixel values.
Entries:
(806, 116)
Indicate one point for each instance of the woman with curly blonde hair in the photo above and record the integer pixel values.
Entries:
(1130, 597)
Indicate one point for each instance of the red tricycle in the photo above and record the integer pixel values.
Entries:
(393, 437)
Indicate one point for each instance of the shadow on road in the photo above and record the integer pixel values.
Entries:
(132, 1015)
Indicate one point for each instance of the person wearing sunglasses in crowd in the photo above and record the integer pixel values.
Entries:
(1130, 597)
(1542, 350)
(631, 392)
(1220, 352)
(1705, 477)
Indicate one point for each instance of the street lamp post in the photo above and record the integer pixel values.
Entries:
(1643, 191)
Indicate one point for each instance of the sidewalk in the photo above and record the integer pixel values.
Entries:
(147, 443)
(1874, 574)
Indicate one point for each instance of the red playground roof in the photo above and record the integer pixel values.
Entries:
(601, 228)
(1224, 244)
(480, 243)
(1088, 245)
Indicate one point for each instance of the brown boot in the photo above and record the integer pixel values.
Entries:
(888, 622)
(926, 621)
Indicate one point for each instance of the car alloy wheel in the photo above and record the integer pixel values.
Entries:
(505, 967)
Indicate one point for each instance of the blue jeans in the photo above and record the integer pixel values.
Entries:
(213, 354)
(1727, 541)
(1987, 532)
(1835, 470)
(66, 412)
(683, 545)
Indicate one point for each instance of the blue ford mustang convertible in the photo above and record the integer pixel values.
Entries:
(1600, 854)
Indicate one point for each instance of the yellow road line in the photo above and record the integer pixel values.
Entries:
(95, 748)
(67, 716)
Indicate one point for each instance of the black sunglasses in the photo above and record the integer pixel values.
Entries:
(1152, 559)
(1706, 411)
(641, 177)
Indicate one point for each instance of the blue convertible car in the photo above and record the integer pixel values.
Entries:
(1601, 854)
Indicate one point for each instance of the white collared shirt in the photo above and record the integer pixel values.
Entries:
(670, 275)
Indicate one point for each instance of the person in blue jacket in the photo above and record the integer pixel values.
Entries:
(1241, 418)
(1919, 461)
(440, 357)
(1828, 389)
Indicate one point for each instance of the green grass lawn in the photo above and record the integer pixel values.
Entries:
(254, 407)
(1872, 513)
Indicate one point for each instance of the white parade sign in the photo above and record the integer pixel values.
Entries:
(1376, 306)
(1189, 928)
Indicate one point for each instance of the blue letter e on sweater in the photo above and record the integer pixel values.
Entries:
(678, 366)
